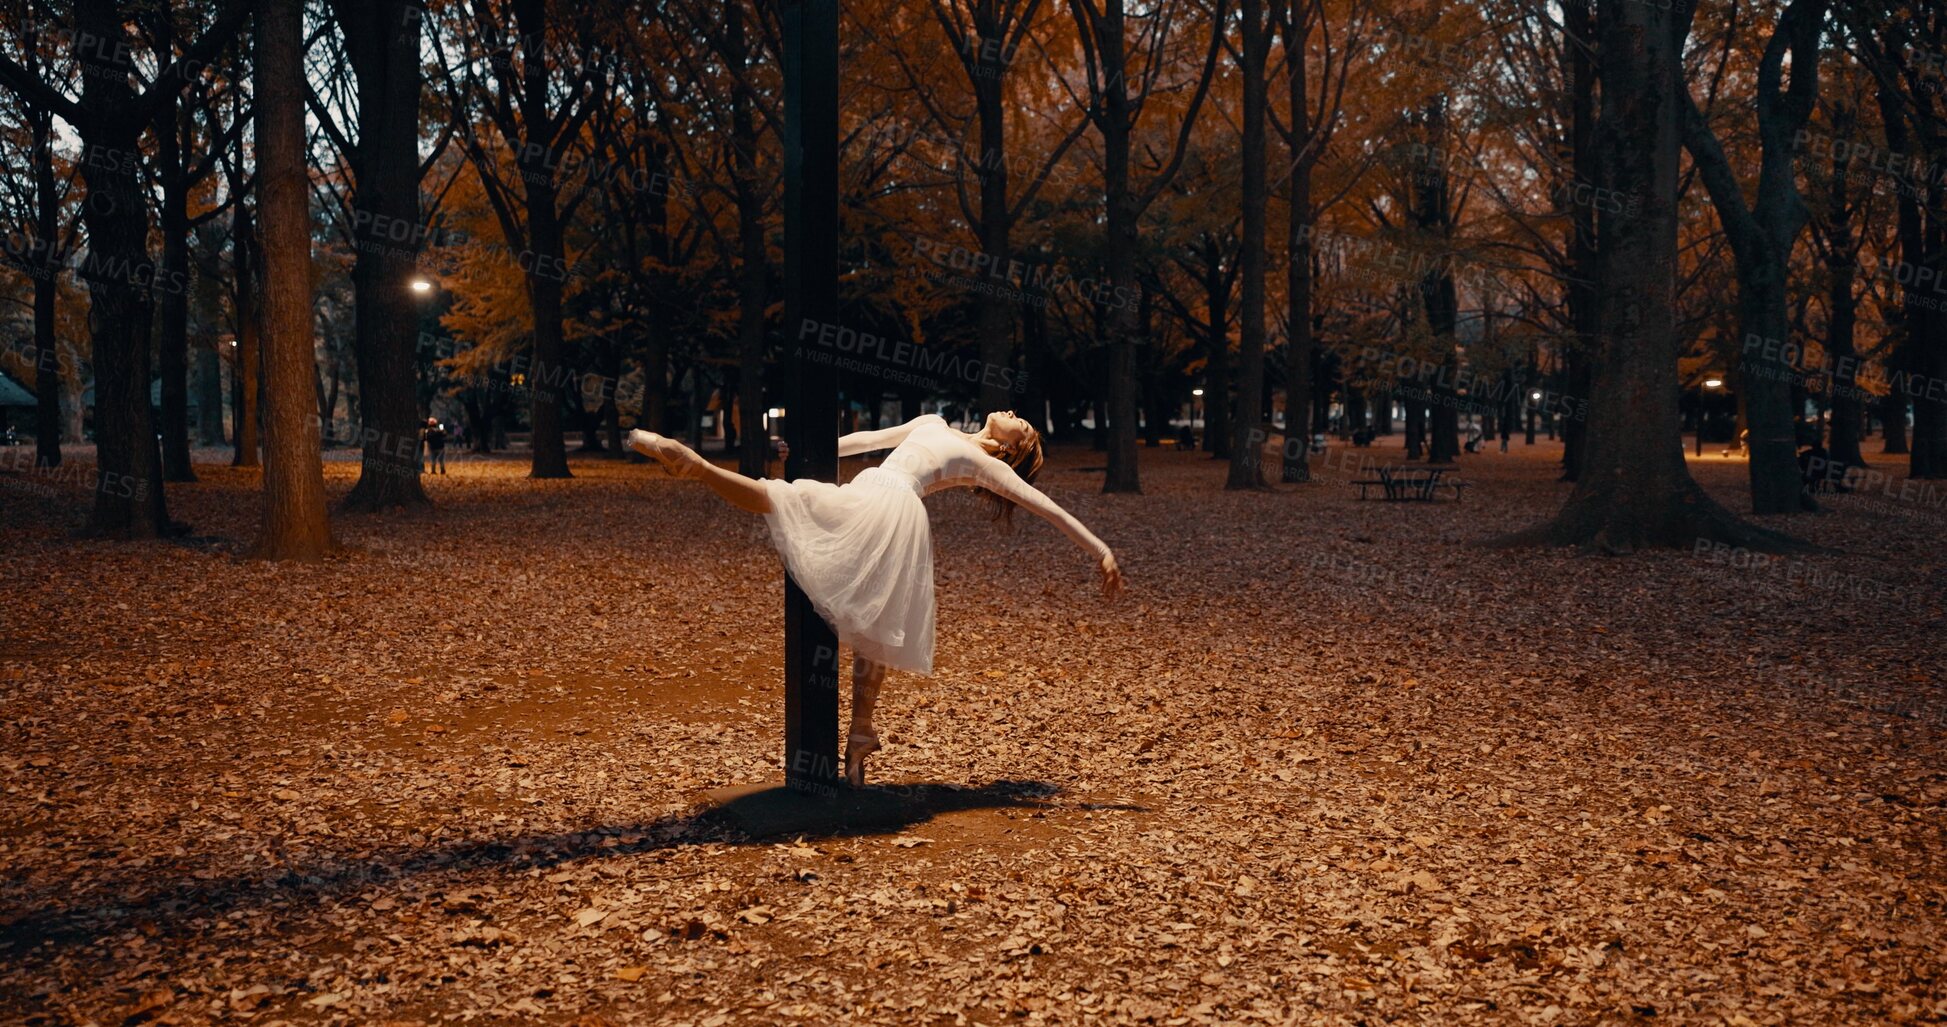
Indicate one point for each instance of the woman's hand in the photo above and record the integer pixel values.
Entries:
(1112, 582)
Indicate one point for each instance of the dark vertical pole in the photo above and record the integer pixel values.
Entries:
(811, 417)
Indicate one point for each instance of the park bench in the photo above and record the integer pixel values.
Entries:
(1407, 483)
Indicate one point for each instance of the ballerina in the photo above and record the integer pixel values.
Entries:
(863, 551)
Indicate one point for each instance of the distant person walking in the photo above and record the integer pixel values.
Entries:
(434, 435)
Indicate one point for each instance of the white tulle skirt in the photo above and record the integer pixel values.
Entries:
(863, 553)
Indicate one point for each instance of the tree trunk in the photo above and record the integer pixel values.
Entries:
(655, 347)
(1920, 359)
(172, 296)
(575, 392)
(1577, 360)
(1761, 238)
(1298, 262)
(1247, 435)
(995, 317)
(318, 393)
(1925, 364)
(1123, 245)
(551, 375)
(1443, 440)
(330, 412)
(1433, 216)
(47, 377)
(246, 353)
(206, 311)
(128, 486)
(1034, 398)
(699, 398)
(1842, 383)
(1762, 315)
(209, 397)
(294, 526)
(1154, 403)
(754, 455)
(173, 346)
(1892, 424)
(611, 375)
(47, 354)
(1635, 490)
(1216, 363)
(382, 42)
(539, 158)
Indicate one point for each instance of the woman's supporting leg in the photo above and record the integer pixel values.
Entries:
(861, 740)
(683, 462)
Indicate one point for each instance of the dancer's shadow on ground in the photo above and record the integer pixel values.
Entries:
(171, 905)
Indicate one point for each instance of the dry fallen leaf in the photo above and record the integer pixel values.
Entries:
(1217, 803)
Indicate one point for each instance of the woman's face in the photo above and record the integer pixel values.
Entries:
(1007, 429)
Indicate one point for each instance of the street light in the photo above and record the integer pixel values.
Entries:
(1196, 409)
(421, 285)
(1709, 383)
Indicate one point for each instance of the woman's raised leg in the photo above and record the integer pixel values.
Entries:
(683, 462)
(861, 740)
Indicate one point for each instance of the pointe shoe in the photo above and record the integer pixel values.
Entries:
(666, 451)
(857, 748)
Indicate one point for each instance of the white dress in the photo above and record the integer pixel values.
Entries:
(863, 551)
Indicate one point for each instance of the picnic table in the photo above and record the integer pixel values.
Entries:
(1412, 481)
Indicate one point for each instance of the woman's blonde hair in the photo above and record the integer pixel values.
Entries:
(1026, 459)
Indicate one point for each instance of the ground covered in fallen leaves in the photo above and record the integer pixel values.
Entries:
(1327, 762)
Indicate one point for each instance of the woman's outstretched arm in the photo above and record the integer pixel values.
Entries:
(999, 478)
(885, 438)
